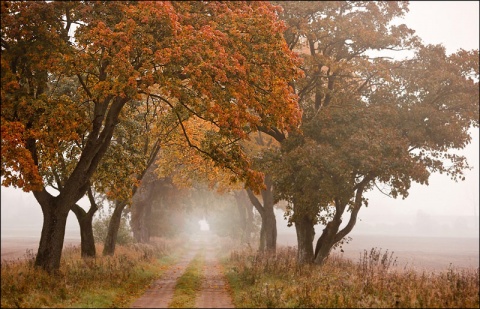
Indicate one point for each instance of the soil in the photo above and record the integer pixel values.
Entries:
(160, 293)
(214, 292)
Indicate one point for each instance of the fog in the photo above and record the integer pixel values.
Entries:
(442, 209)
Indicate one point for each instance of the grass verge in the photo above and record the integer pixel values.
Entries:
(260, 281)
(87, 283)
(189, 283)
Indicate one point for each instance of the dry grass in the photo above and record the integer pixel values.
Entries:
(96, 283)
(259, 281)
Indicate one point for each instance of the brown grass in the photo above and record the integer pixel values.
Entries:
(260, 281)
(100, 282)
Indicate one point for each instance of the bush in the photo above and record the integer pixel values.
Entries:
(100, 229)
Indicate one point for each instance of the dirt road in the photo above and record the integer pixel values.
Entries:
(214, 290)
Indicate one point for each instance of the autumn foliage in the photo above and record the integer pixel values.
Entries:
(74, 72)
(200, 60)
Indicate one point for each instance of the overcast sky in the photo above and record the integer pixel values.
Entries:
(444, 208)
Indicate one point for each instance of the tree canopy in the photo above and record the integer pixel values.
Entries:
(209, 60)
(369, 121)
(224, 63)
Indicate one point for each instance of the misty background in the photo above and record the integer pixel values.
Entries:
(442, 209)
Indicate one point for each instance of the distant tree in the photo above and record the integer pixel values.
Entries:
(368, 122)
(246, 215)
(100, 230)
(135, 146)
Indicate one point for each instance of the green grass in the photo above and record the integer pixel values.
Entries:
(258, 281)
(96, 283)
(189, 283)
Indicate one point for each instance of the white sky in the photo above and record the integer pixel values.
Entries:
(444, 208)
(455, 24)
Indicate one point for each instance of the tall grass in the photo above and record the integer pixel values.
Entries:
(88, 283)
(260, 281)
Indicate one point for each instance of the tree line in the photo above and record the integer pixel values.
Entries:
(276, 101)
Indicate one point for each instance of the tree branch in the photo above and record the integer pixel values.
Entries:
(256, 203)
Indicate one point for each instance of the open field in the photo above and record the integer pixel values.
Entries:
(422, 253)
(16, 247)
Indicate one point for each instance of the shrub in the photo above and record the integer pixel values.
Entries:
(100, 229)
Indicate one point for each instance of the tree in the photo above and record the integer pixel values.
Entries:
(225, 63)
(246, 215)
(100, 230)
(135, 147)
(181, 178)
(367, 121)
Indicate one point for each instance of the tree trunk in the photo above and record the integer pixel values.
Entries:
(52, 237)
(305, 235)
(262, 244)
(85, 219)
(326, 242)
(86, 237)
(331, 235)
(113, 227)
(268, 231)
(87, 241)
(242, 214)
(249, 223)
(270, 225)
(141, 231)
(245, 209)
(142, 205)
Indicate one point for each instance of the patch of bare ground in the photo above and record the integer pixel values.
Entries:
(214, 289)
(160, 293)
(214, 292)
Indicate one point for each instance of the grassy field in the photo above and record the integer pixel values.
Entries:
(259, 281)
(103, 282)
(256, 281)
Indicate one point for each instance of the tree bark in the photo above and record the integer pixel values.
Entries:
(305, 235)
(52, 237)
(249, 223)
(142, 204)
(87, 241)
(262, 246)
(325, 243)
(268, 231)
(330, 235)
(141, 232)
(113, 227)
(85, 220)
